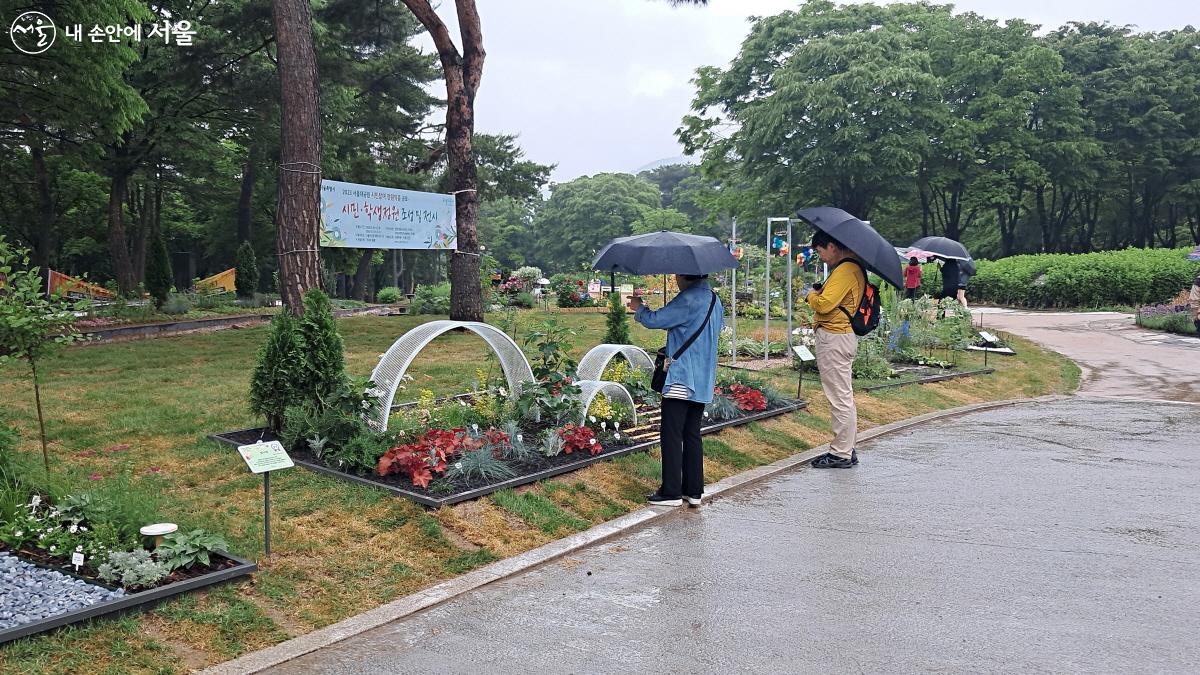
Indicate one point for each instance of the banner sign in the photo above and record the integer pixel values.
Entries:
(367, 216)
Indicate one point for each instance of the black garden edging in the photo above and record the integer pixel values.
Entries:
(141, 600)
(929, 379)
(583, 461)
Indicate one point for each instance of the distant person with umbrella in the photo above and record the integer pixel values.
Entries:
(958, 268)
(693, 320)
(849, 246)
(912, 278)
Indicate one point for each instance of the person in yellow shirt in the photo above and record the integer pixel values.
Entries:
(833, 302)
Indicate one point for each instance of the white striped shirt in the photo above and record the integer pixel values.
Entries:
(677, 391)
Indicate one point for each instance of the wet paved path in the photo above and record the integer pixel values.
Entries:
(1060, 536)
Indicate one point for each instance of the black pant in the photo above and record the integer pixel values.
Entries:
(910, 293)
(682, 449)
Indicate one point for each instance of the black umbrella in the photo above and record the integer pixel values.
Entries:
(947, 249)
(664, 253)
(875, 251)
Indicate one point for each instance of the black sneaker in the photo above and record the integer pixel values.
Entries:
(657, 499)
(854, 456)
(832, 461)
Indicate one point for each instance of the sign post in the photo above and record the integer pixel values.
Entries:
(805, 356)
(264, 458)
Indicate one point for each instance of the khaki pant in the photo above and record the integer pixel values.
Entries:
(835, 357)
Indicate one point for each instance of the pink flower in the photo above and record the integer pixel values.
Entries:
(95, 476)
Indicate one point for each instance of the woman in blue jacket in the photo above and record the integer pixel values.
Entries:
(689, 384)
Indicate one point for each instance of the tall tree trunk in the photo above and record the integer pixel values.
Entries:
(45, 235)
(299, 154)
(122, 263)
(463, 73)
(144, 215)
(245, 198)
(361, 274)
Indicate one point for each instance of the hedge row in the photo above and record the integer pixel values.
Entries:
(1130, 277)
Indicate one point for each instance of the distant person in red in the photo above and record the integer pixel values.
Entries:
(912, 279)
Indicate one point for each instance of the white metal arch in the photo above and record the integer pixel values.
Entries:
(395, 362)
(593, 363)
(611, 389)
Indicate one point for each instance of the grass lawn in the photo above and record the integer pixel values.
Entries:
(138, 411)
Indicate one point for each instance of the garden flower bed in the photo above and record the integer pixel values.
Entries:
(450, 446)
(60, 565)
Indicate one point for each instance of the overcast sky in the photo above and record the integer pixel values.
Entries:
(601, 85)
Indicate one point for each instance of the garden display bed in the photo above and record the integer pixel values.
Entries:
(223, 567)
(645, 435)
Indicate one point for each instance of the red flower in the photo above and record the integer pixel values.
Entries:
(95, 476)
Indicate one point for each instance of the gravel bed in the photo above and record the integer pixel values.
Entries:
(29, 593)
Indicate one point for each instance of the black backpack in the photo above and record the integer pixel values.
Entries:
(866, 317)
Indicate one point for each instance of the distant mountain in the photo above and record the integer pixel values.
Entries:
(666, 161)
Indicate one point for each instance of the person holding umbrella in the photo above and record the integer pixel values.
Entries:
(693, 320)
(849, 246)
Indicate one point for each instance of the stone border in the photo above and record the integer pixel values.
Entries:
(400, 608)
(147, 331)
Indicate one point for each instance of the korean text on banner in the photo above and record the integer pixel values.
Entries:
(367, 216)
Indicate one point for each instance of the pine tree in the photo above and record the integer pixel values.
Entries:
(275, 384)
(158, 270)
(617, 321)
(247, 271)
(324, 360)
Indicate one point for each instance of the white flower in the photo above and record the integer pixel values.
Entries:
(82, 528)
(458, 465)
(521, 437)
(592, 441)
(18, 533)
(503, 391)
(617, 436)
(706, 413)
(53, 549)
(33, 503)
(366, 405)
(73, 529)
(592, 419)
(462, 403)
(79, 549)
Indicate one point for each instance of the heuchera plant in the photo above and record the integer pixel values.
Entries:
(579, 438)
(431, 453)
(746, 398)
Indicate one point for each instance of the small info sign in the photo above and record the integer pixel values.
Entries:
(265, 456)
(803, 353)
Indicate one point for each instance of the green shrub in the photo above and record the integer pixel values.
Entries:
(274, 385)
(389, 295)
(246, 276)
(523, 299)
(181, 550)
(133, 569)
(431, 300)
(617, 321)
(158, 270)
(324, 363)
(871, 363)
(176, 305)
(1107, 278)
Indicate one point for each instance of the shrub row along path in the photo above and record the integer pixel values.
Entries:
(1117, 357)
(1049, 536)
